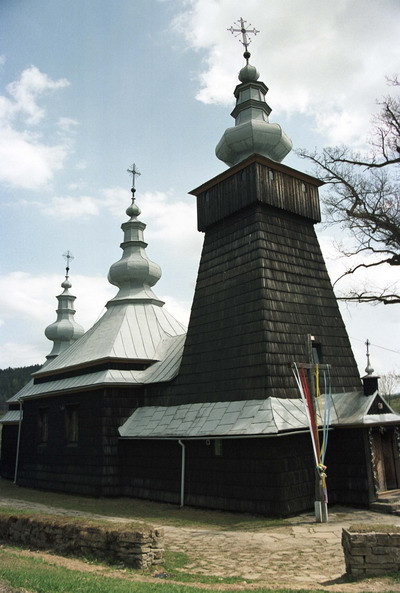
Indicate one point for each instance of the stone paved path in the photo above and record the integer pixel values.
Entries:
(300, 554)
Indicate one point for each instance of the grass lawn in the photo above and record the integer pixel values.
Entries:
(33, 573)
(38, 576)
(140, 510)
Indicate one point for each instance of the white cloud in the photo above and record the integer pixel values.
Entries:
(17, 354)
(363, 320)
(26, 91)
(67, 124)
(28, 304)
(178, 309)
(373, 279)
(27, 160)
(170, 221)
(70, 207)
(321, 59)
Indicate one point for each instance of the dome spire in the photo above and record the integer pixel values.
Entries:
(134, 273)
(252, 133)
(64, 331)
(368, 369)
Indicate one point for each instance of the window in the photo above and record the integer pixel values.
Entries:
(316, 353)
(71, 424)
(218, 451)
(43, 425)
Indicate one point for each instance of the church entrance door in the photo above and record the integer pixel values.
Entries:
(386, 458)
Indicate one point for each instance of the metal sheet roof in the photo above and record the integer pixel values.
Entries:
(11, 417)
(128, 331)
(169, 351)
(246, 418)
(219, 419)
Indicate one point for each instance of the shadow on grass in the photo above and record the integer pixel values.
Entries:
(134, 509)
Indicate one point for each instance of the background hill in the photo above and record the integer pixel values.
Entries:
(12, 380)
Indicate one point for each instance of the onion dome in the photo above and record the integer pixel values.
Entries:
(64, 331)
(252, 133)
(134, 274)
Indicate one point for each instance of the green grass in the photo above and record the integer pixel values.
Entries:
(374, 528)
(39, 576)
(100, 522)
(155, 513)
(395, 404)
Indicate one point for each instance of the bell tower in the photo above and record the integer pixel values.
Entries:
(262, 286)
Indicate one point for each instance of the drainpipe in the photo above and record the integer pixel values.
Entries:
(18, 442)
(183, 460)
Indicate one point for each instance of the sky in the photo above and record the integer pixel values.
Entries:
(87, 87)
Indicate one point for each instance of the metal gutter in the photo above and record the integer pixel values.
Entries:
(221, 437)
(183, 466)
(18, 442)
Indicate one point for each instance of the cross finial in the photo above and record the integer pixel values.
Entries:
(67, 256)
(242, 30)
(133, 171)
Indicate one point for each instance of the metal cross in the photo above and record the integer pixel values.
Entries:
(244, 32)
(68, 256)
(133, 171)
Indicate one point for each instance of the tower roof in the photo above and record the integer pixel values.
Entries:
(130, 334)
(65, 330)
(252, 132)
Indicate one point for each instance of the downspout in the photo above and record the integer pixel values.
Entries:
(183, 463)
(18, 442)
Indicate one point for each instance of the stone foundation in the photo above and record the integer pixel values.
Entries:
(374, 551)
(139, 548)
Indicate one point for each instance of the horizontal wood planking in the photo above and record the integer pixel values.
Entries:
(257, 182)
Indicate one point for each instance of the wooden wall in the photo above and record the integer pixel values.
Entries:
(274, 476)
(349, 470)
(9, 439)
(90, 466)
(257, 180)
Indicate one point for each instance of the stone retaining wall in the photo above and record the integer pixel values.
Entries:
(371, 554)
(139, 548)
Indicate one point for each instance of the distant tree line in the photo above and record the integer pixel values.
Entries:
(12, 380)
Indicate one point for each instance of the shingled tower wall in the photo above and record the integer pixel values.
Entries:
(262, 288)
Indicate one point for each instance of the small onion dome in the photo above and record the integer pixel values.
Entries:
(252, 132)
(65, 330)
(134, 273)
(249, 73)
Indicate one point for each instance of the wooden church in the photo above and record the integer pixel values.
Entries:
(212, 417)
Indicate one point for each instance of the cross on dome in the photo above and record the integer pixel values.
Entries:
(133, 171)
(245, 41)
(67, 256)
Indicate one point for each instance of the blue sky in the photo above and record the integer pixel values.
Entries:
(89, 86)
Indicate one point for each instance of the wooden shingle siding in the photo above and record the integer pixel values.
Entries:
(349, 467)
(268, 476)
(262, 288)
(91, 466)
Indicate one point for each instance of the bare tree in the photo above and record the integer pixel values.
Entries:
(389, 385)
(364, 197)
